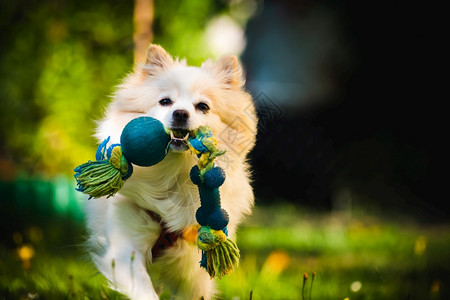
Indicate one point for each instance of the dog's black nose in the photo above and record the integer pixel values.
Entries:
(180, 116)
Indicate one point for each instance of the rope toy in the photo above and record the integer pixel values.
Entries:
(144, 142)
(219, 254)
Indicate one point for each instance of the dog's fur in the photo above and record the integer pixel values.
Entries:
(121, 232)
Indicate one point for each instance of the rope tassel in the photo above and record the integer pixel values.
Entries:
(222, 254)
(106, 175)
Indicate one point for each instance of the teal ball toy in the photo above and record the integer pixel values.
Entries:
(144, 141)
(201, 215)
(218, 219)
(215, 177)
(195, 175)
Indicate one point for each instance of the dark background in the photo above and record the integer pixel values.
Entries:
(375, 133)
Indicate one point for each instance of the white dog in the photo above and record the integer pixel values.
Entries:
(125, 228)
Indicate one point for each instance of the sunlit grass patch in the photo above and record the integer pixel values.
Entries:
(363, 257)
(51, 276)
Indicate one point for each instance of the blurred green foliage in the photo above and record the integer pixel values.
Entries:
(59, 62)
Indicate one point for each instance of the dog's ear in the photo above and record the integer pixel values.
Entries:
(157, 60)
(228, 70)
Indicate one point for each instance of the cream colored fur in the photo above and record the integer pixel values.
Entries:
(121, 233)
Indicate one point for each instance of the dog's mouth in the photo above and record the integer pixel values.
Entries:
(178, 139)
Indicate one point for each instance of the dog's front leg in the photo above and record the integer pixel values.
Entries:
(129, 274)
(122, 243)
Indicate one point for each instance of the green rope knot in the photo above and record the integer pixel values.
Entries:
(209, 238)
(204, 145)
(106, 175)
(118, 160)
(220, 254)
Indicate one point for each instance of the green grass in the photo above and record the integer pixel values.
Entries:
(393, 258)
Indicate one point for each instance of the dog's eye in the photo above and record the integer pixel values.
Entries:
(202, 107)
(165, 102)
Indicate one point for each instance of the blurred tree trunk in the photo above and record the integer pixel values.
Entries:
(143, 21)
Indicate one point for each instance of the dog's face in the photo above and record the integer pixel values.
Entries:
(184, 98)
(183, 103)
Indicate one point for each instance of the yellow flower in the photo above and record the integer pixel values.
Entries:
(420, 246)
(26, 253)
(277, 262)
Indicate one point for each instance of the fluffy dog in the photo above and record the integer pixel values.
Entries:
(122, 230)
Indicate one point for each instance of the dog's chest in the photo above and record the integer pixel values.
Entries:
(175, 200)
